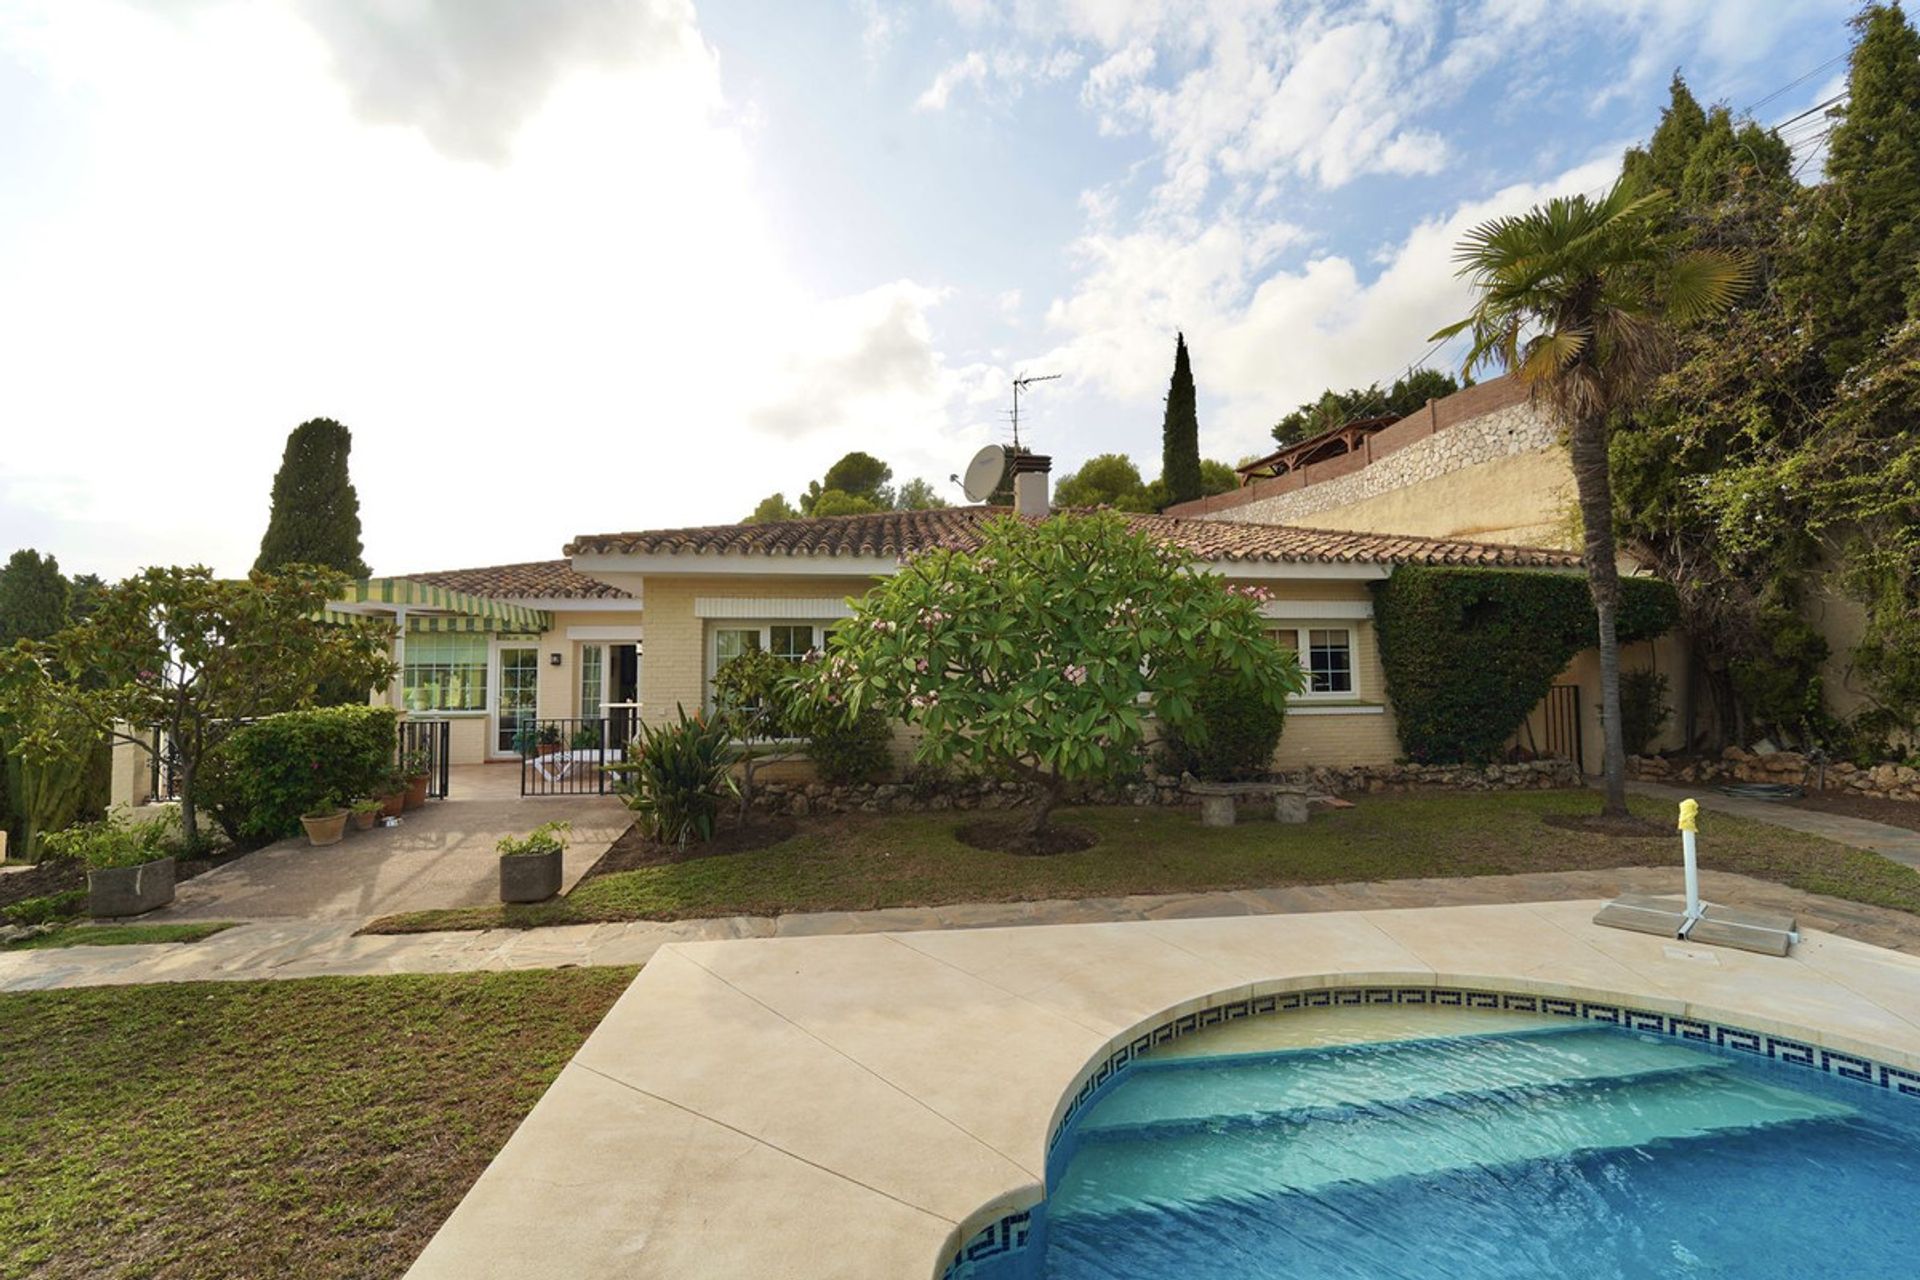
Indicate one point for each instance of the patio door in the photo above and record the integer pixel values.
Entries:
(518, 701)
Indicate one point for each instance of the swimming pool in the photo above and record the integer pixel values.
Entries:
(1475, 1146)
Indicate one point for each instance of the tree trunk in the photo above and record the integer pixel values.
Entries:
(1042, 810)
(189, 810)
(1591, 478)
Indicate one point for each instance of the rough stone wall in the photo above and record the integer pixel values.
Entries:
(1888, 780)
(802, 798)
(1503, 433)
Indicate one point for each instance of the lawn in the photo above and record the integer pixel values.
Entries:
(116, 935)
(860, 862)
(321, 1128)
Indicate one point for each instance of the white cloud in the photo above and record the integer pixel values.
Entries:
(1000, 76)
(969, 70)
(1264, 340)
(564, 342)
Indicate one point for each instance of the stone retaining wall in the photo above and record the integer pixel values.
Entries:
(803, 798)
(1888, 781)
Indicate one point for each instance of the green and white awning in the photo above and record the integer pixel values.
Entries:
(428, 608)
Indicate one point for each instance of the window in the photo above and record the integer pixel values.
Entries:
(445, 672)
(1329, 661)
(1326, 657)
(519, 699)
(789, 641)
(593, 676)
(730, 642)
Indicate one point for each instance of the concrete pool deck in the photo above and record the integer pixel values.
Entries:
(856, 1105)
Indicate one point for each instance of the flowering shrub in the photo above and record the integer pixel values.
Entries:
(1043, 654)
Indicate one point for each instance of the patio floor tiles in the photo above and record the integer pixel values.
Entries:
(608, 1182)
(961, 1045)
(678, 1018)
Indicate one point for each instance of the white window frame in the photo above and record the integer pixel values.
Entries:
(1302, 632)
(765, 628)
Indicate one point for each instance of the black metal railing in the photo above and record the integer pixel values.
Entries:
(570, 757)
(1562, 713)
(427, 744)
(163, 762)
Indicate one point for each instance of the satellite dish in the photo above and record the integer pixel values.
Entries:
(984, 473)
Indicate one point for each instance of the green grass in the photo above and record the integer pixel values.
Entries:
(321, 1128)
(117, 935)
(860, 863)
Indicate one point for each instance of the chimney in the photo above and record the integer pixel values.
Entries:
(1030, 496)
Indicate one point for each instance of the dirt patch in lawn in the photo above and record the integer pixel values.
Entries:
(1595, 824)
(55, 875)
(1895, 813)
(635, 849)
(1003, 836)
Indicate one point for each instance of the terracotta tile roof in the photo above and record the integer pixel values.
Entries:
(901, 533)
(548, 579)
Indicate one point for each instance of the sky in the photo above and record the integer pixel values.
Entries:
(632, 264)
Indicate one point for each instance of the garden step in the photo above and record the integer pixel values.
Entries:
(1267, 1087)
(1381, 1141)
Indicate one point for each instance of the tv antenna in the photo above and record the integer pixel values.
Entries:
(1020, 384)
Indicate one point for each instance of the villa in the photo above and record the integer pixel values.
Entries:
(637, 623)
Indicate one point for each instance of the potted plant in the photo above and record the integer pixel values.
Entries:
(129, 871)
(549, 739)
(587, 737)
(393, 793)
(530, 864)
(364, 812)
(414, 765)
(326, 822)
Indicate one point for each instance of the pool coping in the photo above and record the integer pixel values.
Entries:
(900, 1092)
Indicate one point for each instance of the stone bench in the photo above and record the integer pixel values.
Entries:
(1219, 800)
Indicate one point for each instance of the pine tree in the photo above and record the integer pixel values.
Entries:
(1863, 238)
(1180, 432)
(33, 597)
(316, 513)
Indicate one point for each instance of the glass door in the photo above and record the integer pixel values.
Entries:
(519, 703)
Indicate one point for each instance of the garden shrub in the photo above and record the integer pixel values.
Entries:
(1643, 708)
(846, 751)
(753, 693)
(677, 776)
(1237, 734)
(1469, 652)
(268, 773)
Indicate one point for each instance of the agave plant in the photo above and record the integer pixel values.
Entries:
(677, 776)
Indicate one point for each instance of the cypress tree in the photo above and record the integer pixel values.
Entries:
(316, 513)
(1662, 165)
(33, 597)
(1180, 432)
(1863, 238)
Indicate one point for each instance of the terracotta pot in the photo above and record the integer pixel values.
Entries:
(416, 791)
(549, 748)
(327, 830)
(392, 803)
(363, 819)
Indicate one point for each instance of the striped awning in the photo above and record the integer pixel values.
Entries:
(435, 608)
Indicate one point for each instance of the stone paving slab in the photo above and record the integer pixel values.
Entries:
(856, 1106)
(300, 949)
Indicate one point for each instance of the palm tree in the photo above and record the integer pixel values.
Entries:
(1578, 297)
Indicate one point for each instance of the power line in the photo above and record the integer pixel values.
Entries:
(1795, 83)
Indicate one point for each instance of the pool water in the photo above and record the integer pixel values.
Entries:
(1516, 1148)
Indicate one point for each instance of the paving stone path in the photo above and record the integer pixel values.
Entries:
(307, 949)
(330, 947)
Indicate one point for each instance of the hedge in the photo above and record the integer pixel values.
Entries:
(1241, 734)
(270, 772)
(1469, 652)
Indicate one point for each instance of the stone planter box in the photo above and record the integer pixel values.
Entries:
(529, 877)
(129, 891)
